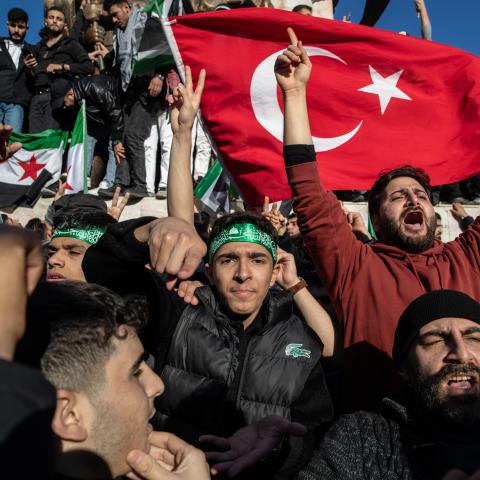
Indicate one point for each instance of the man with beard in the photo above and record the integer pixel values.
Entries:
(432, 426)
(14, 94)
(369, 284)
(55, 56)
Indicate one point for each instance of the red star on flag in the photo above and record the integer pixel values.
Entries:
(31, 168)
(67, 185)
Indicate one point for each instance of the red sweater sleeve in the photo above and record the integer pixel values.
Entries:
(469, 241)
(336, 252)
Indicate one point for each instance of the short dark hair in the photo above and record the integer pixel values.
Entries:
(385, 177)
(438, 216)
(242, 217)
(16, 15)
(109, 3)
(297, 8)
(292, 215)
(82, 320)
(83, 221)
(38, 226)
(56, 8)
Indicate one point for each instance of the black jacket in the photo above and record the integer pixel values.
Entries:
(27, 405)
(218, 376)
(104, 113)
(65, 51)
(14, 82)
(399, 443)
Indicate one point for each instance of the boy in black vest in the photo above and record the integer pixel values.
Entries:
(241, 353)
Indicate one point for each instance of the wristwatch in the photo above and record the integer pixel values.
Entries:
(298, 286)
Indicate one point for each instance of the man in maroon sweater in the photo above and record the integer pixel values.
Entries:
(369, 284)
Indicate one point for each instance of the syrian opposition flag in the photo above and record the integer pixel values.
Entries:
(376, 99)
(77, 155)
(155, 49)
(213, 189)
(37, 163)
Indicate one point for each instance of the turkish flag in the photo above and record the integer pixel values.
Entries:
(377, 100)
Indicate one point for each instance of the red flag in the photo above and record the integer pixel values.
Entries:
(376, 99)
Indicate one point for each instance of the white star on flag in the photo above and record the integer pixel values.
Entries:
(386, 88)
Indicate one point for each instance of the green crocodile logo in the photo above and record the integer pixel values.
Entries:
(295, 350)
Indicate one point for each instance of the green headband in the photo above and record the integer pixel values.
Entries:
(90, 235)
(243, 232)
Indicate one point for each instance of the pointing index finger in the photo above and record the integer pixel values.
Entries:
(292, 36)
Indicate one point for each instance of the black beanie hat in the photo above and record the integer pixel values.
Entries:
(427, 308)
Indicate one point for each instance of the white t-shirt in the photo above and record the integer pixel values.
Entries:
(15, 50)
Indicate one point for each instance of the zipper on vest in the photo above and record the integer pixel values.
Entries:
(242, 375)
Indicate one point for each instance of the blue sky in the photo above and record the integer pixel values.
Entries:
(454, 23)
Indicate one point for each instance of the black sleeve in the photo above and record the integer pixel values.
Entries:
(27, 405)
(82, 64)
(115, 113)
(106, 100)
(118, 261)
(466, 222)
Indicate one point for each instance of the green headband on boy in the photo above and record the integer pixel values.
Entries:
(90, 235)
(243, 232)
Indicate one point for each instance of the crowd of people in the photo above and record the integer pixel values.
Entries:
(260, 345)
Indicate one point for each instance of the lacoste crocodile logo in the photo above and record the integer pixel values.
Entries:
(295, 350)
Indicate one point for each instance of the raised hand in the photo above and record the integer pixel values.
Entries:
(293, 67)
(6, 150)
(22, 265)
(175, 248)
(274, 216)
(186, 102)
(458, 211)
(249, 445)
(287, 269)
(172, 459)
(116, 208)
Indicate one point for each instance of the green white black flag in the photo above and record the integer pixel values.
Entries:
(37, 163)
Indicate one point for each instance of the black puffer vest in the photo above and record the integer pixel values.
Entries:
(204, 358)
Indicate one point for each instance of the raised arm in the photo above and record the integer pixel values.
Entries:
(292, 70)
(183, 113)
(425, 25)
(325, 230)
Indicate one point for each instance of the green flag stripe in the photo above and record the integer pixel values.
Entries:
(147, 64)
(40, 141)
(77, 134)
(209, 179)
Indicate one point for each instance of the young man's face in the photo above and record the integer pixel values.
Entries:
(438, 228)
(124, 406)
(17, 31)
(292, 227)
(242, 273)
(120, 15)
(65, 256)
(55, 22)
(444, 368)
(406, 217)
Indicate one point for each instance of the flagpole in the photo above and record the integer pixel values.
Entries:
(85, 152)
(177, 57)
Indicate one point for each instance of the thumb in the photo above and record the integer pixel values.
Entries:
(144, 465)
